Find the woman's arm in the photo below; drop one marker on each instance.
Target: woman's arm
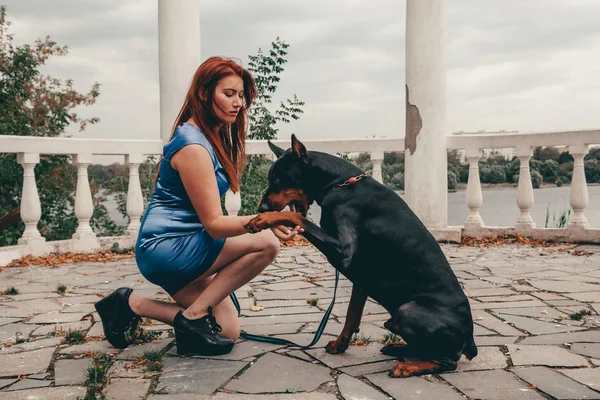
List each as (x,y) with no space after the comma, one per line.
(195,166)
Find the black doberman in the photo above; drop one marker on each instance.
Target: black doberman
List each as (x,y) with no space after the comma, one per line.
(370,235)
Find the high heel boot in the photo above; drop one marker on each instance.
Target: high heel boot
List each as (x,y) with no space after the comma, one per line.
(117,317)
(200,336)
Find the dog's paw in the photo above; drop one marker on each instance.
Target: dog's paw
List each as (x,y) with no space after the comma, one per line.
(394,348)
(336,346)
(258,223)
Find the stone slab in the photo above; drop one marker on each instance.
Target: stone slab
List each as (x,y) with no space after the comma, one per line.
(71,372)
(29,384)
(551,356)
(488,358)
(588,376)
(132,352)
(127,389)
(31,362)
(196,376)
(555,384)
(291,375)
(491,385)
(587,349)
(564,286)
(536,327)
(247,349)
(53,393)
(353,356)
(371,368)
(573,337)
(353,389)
(414,388)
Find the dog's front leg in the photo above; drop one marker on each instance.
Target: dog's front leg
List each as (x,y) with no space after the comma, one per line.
(339,251)
(353,316)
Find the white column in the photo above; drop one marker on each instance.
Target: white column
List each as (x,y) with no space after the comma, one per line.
(31,209)
(579,190)
(525,190)
(474,195)
(178,56)
(377,159)
(426,178)
(135,199)
(233,202)
(84,206)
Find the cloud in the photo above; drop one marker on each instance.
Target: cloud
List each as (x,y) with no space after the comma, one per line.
(512,64)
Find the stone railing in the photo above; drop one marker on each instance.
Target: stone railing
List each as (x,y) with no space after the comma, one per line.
(578,143)
(28,152)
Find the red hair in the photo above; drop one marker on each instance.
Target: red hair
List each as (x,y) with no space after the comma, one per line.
(227,140)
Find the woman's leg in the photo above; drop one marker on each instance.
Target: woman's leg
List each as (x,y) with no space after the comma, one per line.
(243,257)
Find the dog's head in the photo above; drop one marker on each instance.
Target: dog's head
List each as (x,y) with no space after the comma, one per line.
(288,181)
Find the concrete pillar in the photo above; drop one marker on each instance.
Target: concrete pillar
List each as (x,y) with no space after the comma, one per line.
(178,56)
(426,177)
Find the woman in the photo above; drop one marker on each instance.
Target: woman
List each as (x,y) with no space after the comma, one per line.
(185,244)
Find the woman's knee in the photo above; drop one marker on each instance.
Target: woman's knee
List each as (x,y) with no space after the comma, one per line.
(271,246)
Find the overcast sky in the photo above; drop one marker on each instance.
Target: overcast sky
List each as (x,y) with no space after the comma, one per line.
(526,65)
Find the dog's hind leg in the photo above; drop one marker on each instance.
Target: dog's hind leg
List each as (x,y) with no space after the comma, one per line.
(353,316)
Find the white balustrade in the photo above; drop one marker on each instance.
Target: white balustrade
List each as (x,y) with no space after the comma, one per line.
(31,209)
(135,199)
(579,190)
(233,202)
(84,206)
(377,160)
(525,189)
(473,194)
(28,152)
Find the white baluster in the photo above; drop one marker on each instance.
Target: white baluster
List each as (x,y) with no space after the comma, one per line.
(377,159)
(579,190)
(84,206)
(31,209)
(135,199)
(525,190)
(474,195)
(233,202)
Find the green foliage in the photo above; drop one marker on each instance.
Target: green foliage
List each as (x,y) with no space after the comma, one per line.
(558,219)
(75,337)
(10,291)
(266,69)
(97,375)
(33,104)
(578,315)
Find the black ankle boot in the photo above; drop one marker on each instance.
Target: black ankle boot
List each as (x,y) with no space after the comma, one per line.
(117,317)
(200,337)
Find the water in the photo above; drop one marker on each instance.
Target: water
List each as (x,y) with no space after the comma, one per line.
(499,207)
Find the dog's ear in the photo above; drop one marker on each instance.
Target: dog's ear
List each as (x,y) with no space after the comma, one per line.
(299,149)
(277,150)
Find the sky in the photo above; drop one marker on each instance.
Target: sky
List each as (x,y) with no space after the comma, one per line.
(511,64)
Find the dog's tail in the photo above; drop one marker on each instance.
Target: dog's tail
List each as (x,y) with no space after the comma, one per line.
(470,350)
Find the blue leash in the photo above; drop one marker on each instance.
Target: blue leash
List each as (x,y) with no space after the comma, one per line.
(267,339)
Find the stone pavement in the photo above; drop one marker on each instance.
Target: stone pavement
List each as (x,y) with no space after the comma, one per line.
(533,341)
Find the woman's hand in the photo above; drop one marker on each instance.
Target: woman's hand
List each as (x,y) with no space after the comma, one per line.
(284,233)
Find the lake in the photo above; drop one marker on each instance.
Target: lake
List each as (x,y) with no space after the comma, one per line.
(499,206)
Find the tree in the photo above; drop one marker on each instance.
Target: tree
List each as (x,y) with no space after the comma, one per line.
(33,104)
(266,68)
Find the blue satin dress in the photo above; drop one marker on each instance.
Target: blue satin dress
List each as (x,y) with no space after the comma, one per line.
(173,248)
